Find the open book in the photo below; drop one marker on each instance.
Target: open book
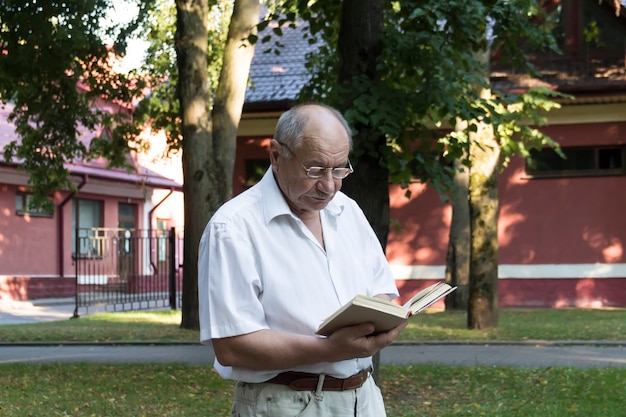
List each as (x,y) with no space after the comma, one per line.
(384,314)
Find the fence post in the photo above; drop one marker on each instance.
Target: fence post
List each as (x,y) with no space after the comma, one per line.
(77,274)
(172,262)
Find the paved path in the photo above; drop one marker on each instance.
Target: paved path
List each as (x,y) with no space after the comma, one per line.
(529,354)
(518,355)
(532,356)
(21,312)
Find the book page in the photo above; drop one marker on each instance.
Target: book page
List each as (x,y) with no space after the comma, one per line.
(362,309)
(428,297)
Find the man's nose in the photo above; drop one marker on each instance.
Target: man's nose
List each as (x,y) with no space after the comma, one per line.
(326,182)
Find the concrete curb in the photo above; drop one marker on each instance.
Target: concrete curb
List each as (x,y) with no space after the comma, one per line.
(513,342)
(531,343)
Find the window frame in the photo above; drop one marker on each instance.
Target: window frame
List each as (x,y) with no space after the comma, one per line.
(25,210)
(94,234)
(595,171)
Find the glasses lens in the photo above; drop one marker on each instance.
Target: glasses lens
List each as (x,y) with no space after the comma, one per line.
(315,172)
(340,173)
(337,173)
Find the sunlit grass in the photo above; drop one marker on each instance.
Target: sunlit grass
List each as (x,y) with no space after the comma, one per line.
(157,325)
(149,316)
(164,326)
(521,324)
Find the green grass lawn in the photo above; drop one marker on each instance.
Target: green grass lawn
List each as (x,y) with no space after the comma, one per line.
(152,325)
(85,390)
(523,324)
(164,325)
(88,390)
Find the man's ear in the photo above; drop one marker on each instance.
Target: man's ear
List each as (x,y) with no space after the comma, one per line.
(275,151)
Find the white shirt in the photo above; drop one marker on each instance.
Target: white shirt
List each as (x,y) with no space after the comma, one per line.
(259,267)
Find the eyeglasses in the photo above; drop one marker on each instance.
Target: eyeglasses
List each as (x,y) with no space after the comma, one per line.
(318,172)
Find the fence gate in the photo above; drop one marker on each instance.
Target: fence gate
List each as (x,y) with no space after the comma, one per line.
(127,269)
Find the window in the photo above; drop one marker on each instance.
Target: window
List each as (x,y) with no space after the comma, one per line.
(162,239)
(86,222)
(23,205)
(126,218)
(577,162)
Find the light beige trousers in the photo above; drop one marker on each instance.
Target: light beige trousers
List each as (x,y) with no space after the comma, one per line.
(272,400)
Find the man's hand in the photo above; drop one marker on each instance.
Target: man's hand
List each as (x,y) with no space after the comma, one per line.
(271,349)
(359,342)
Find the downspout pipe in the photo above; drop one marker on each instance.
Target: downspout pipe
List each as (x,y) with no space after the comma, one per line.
(61,233)
(150,214)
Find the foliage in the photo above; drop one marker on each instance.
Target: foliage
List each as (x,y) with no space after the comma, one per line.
(428,69)
(54,66)
(430,77)
(69,50)
(161,108)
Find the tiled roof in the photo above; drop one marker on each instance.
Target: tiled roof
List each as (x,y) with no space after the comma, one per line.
(141,176)
(278,77)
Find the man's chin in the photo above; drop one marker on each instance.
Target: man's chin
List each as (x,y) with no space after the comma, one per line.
(319,203)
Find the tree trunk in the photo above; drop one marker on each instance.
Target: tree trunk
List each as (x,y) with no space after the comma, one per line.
(231,92)
(458,257)
(194,91)
(209,137)
(485,160)
(359,46)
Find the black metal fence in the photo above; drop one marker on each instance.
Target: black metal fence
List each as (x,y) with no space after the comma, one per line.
(127,269)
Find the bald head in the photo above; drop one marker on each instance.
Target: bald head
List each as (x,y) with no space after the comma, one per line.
(292,125)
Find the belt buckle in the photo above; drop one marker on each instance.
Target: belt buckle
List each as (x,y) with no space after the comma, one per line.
(364,375)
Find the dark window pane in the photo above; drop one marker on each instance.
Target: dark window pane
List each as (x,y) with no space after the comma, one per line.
(547,160)
(581,160)
(610,158)
(577,161)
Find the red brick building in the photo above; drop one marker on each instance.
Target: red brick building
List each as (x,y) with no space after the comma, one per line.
(562,232)
(562,229)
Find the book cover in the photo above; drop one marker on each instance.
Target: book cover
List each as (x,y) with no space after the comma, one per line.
(384,314)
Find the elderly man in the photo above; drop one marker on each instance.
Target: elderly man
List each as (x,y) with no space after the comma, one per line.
(278,259)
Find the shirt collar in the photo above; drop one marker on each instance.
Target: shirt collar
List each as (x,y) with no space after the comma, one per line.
(274,203)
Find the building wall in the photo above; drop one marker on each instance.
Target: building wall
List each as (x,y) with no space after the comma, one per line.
(35,256)
(561,240)
(28,249)
(24,239)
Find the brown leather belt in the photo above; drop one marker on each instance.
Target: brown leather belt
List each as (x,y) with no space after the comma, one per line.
(303,381)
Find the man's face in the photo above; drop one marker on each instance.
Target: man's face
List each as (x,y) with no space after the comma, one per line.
(325,144)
